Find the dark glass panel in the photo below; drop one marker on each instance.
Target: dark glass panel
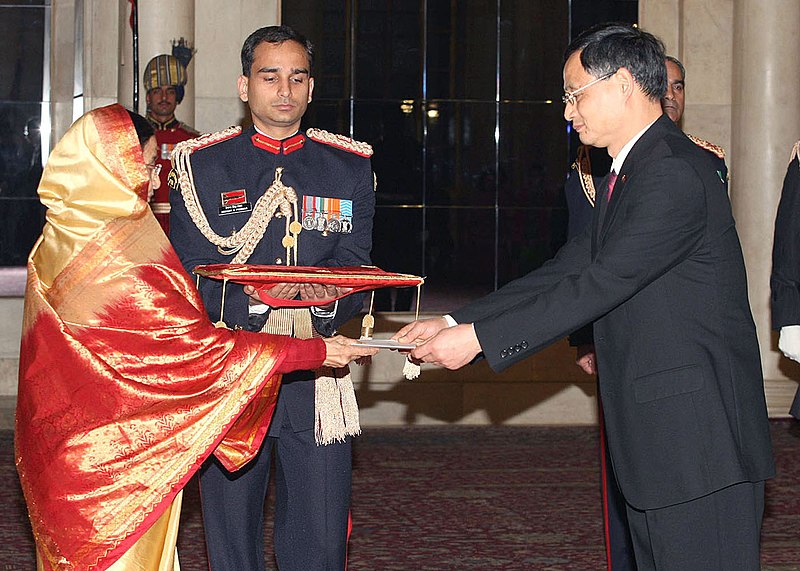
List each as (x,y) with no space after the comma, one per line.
(533,154)
(459,256)
(332,115)
(20,149)
(21,52)
(587,13)
(389,49)
(534,34)
(397,247)
(394,129)
(21,221)
(326,25)
(461,50)
(460,154)
(528,237)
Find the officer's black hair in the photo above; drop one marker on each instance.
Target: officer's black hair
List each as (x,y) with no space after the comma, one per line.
(677,62)
(273,35)
(605,48)
(144,130)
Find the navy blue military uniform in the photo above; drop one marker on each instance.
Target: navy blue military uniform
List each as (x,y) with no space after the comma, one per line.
(584,181)
(312,482)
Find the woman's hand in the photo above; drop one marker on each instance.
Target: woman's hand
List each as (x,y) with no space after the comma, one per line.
(340,350)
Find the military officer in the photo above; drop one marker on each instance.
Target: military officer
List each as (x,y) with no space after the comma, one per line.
(164,80)
(272,194)
(589,169)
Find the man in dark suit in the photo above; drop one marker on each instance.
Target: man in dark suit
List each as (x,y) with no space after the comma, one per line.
(661,274)
(273,195)
(587,174)
(785,277)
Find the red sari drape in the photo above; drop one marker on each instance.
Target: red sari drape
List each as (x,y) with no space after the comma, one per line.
(125,387)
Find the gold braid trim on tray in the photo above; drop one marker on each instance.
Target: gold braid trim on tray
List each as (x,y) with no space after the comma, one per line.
(247,271)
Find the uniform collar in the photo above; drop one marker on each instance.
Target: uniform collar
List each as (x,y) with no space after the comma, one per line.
(165,126)
(274,146)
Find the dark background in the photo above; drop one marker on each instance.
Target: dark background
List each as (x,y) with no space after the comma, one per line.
(460,99)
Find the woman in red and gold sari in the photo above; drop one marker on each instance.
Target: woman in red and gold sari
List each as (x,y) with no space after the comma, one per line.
(125,387)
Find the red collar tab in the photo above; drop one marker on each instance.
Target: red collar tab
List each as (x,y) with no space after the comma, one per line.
(294,143)
(275,147)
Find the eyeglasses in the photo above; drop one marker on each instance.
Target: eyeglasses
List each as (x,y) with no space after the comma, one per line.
(569,96)
(154,169)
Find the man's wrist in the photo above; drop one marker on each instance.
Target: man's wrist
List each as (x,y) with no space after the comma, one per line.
(325,312)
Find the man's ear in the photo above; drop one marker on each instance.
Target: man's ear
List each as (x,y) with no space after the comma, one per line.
(241,84)
(625,81)
(310,88)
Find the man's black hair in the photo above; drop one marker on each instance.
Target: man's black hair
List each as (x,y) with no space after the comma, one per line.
(605,48)
(677,62)
(273,35)
(144,130)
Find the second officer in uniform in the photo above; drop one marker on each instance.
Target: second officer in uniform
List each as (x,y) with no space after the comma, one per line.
(272,194)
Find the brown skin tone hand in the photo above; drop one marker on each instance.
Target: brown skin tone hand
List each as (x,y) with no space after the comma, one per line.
(321,295)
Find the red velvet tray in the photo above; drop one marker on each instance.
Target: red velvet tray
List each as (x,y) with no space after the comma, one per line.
(359,278)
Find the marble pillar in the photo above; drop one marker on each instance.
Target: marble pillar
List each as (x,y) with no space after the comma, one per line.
(765,123)
(222,26)
(159,24)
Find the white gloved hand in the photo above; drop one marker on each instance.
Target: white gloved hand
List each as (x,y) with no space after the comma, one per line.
(789,342)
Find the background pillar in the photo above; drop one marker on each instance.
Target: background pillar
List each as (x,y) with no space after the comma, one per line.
(765,123)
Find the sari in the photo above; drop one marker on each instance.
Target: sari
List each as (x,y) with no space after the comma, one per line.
(125,386)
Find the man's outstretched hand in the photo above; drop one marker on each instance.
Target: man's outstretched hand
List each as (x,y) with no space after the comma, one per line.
(439,344)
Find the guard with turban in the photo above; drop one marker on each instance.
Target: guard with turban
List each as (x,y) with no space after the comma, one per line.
(164,79)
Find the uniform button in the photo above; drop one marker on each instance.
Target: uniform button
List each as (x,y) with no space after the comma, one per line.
(278,261)
(524,344)
(517,348)
(503,354)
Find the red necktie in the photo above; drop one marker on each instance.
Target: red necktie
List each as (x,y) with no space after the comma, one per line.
(612,179)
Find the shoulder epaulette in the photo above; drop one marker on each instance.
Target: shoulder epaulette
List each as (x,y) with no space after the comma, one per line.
(188,129)
(711,147)
(340,142)
(795,152)
(191,145)
(583,166)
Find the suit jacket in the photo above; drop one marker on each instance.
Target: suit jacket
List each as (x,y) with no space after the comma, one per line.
(663,278)
(314,170)
(585,185)
(785,277)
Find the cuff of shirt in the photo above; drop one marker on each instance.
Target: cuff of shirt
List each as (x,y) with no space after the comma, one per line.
(450,321)
(323,313)
(259,308)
